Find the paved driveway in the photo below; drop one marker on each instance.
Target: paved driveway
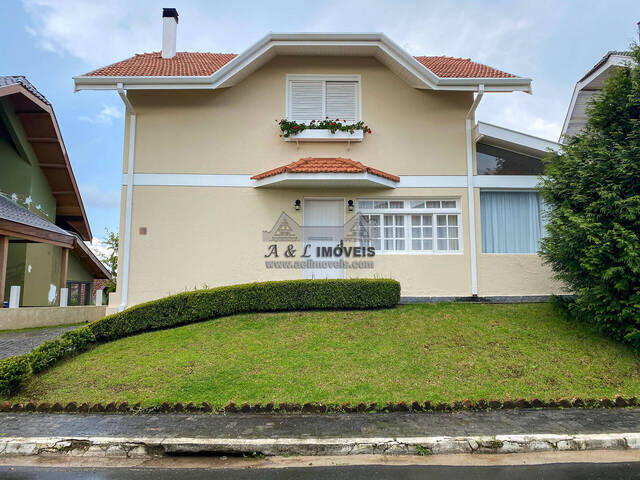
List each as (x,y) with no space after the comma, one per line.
(17,343)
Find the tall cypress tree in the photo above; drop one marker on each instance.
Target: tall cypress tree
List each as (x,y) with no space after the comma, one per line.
(593,189)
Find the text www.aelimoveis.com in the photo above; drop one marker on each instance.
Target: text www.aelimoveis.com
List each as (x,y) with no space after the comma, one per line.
(310,263)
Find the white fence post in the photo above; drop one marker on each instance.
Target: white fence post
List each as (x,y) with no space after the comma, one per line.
(14,296)
(98,298)
(64,297)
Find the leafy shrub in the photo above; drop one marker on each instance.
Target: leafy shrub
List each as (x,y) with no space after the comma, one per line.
(593,241)
(189,307)
(13,371)
(51,351)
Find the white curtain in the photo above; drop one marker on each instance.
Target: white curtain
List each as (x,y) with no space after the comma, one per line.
(511,222)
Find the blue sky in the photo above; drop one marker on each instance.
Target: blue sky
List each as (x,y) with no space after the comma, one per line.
(49,41)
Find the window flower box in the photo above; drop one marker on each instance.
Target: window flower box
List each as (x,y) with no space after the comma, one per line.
(322,135)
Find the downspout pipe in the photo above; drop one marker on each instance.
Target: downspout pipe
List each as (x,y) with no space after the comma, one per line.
(469,121)
(124,281)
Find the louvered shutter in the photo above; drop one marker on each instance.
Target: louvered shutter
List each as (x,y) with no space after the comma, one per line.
(342,101)
(306,101)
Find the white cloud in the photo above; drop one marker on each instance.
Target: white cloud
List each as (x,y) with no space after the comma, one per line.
(105,116)
(94,197)
(99,249)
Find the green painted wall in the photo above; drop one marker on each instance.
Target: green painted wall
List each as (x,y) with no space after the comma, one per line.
(77,271)
(41,275)
(21,174)
(15,267)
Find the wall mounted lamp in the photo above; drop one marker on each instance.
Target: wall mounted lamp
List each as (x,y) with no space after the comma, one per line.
(298,204)
(350,205)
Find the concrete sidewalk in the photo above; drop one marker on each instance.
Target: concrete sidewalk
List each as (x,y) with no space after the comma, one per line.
(505,431)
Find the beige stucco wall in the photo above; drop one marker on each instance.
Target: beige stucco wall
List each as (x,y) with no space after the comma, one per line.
(233,130)
(212,236)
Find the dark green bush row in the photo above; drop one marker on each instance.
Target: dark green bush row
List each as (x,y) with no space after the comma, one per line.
(189,307)
(198,305)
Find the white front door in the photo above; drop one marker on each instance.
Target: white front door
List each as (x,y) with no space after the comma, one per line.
(323,227)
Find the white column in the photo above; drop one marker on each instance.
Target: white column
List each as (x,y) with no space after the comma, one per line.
(14,296)
(98,297)
(64,297)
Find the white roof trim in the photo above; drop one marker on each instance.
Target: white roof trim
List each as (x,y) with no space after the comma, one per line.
(273,44)
(612,61)
(361,180)
(506,137)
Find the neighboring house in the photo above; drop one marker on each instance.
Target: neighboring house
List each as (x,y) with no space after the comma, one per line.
(449,206)
(588,86)
(42,220)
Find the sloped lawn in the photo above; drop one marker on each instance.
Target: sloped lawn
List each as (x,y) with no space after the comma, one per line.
(415,352)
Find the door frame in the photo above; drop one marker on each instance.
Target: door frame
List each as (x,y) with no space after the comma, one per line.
(304,209)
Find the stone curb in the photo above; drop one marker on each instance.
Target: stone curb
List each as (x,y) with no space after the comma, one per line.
(142,447)
(361,407)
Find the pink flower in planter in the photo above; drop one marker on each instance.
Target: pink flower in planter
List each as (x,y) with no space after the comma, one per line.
(296,127)
(369,131)
(333,123)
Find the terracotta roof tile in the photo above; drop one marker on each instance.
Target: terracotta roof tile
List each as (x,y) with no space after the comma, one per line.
(187,64)
(451,67)
(325,165)
(197,64)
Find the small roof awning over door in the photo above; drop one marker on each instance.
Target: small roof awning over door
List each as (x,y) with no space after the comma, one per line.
(325,172)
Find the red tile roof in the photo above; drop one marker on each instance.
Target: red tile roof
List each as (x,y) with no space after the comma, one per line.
(451,67)
(325,165)
(186,64)
(196,64)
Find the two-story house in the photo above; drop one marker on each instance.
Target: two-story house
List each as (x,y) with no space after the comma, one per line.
(215,173)
(43,223)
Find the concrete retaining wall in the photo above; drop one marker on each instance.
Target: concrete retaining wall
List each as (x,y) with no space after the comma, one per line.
(30,317)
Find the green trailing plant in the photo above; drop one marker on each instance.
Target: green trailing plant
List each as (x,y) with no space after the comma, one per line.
(200,305)
(592,187)
(290,128)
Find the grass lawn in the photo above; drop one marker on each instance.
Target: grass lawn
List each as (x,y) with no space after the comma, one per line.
(435,352)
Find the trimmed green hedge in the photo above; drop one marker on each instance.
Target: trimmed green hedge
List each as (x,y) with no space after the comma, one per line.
(199,305)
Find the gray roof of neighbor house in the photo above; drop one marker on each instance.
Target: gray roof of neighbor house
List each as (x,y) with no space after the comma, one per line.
(11,211)
(22,80)
(604,59)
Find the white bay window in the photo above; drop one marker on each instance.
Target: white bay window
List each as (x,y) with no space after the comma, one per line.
(419,226)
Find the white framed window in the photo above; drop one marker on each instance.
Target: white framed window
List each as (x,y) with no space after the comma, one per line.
(315,97)
(415,226)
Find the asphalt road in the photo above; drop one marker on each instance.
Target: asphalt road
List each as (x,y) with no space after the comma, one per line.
(581,471)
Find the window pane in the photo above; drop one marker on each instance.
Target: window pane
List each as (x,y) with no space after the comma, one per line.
(442,219)
(433,204)
(376,244)
(510,222)
(426,219)
(453,220)
(388,244)
(396,204)
(415,220)
(427,232)
(442,232)
(399,244)
(496,161)
(428,244)
(453,232)
(365,204)
(388,232)
(448,204)
(453,245)
(399,232)
(380,204)
(415,232)
(442,244)
(388,220)
(417,203)
(416,244)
